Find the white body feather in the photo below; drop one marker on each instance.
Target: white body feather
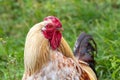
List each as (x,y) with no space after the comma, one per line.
(58,68)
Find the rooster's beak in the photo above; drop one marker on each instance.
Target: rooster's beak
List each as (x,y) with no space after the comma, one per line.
(60,29)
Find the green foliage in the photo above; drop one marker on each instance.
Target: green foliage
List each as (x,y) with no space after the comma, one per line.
(99,18)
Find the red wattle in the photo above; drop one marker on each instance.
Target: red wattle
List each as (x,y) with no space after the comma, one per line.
(54,38)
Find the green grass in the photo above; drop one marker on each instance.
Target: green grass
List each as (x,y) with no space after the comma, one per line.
(99,18)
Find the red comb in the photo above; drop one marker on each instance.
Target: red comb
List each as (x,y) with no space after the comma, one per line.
(55,21)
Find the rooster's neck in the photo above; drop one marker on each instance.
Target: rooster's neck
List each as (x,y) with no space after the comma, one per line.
(36,52)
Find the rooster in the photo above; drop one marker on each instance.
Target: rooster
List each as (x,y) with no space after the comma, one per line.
(47,56)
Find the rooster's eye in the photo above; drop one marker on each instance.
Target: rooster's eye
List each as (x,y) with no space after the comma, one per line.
(49,25)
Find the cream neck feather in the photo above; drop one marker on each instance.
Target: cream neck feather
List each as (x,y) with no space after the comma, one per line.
(36,52)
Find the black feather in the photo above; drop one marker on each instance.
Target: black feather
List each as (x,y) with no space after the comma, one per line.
(85,49)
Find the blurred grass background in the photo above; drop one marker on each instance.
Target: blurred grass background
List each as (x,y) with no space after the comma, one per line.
(100,18)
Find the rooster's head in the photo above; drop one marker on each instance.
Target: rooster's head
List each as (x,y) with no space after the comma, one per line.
(52,31)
